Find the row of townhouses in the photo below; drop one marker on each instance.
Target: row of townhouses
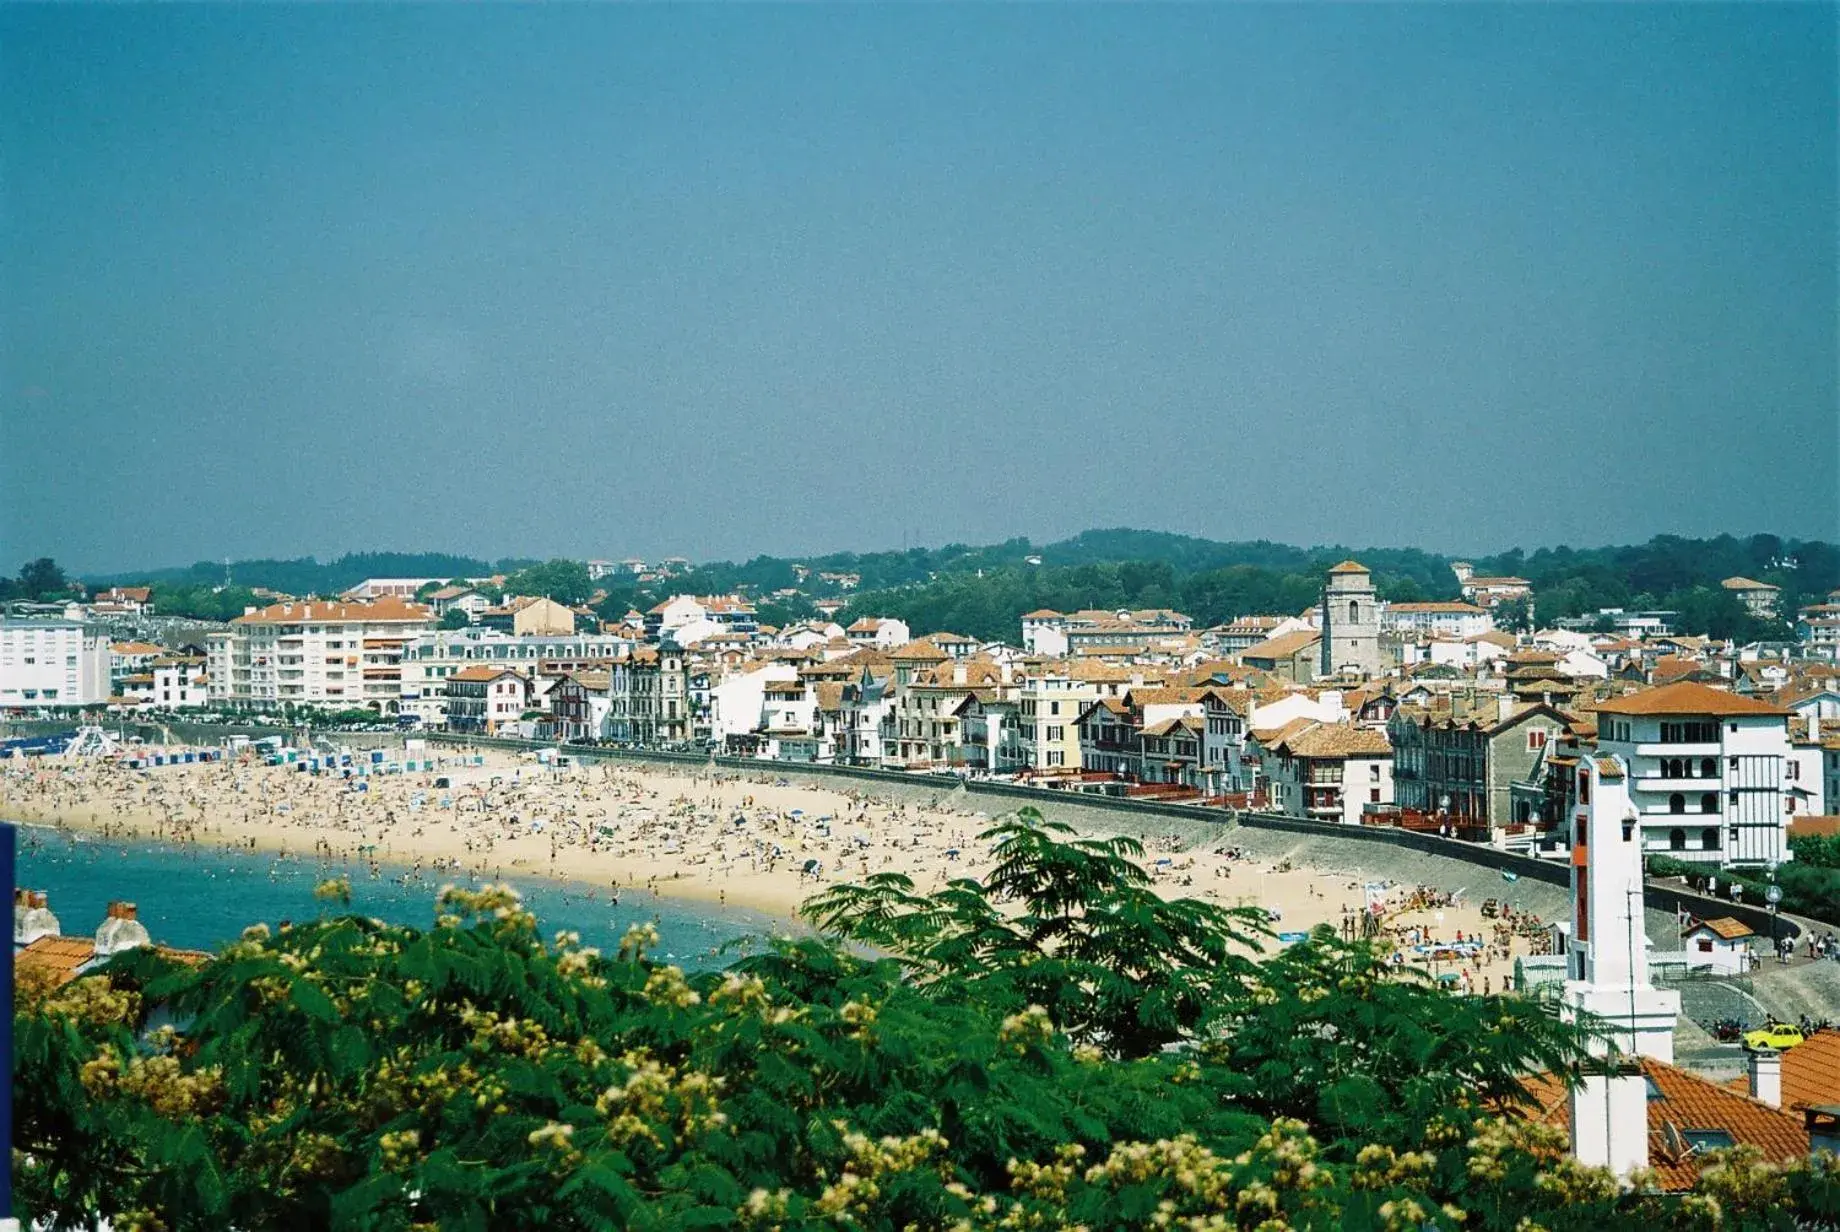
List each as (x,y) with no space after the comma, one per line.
(1356,711)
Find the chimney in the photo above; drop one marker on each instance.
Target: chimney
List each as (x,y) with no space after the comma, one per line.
(1504,708)
(1766,1076)
(1610,1117)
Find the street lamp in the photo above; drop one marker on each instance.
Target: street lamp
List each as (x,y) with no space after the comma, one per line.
(1773,896)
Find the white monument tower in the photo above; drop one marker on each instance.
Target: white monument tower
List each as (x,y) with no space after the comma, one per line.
(1607,972)
(1350,622)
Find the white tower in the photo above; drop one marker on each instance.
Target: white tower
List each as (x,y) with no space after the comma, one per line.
(1607,970)
(1350,622)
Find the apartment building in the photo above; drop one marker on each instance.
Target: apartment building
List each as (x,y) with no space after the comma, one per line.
(1462,756)
(728,613)
(336,655)
(485,700)
(434,656)
(928,732)
(1048,709)
(1449,619)
(1707,771)
(656,686)
(529,616)
(1329,771)
(45,663)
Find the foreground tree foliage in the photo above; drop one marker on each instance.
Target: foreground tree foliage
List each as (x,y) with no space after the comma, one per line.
(993,1070)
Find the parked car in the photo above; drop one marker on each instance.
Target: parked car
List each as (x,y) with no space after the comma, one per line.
(1777,1035)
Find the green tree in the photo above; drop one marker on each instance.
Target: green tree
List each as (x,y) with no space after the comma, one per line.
(565,581)
(455,618)
(1514,615)
(344,1073)
(41,579)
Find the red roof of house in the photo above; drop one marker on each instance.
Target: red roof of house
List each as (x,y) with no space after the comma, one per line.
(1686,1102)
(1687,697)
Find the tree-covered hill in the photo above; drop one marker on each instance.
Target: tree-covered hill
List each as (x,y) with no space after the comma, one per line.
(983,591)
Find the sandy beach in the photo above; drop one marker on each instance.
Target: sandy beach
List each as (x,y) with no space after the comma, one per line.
(753,840)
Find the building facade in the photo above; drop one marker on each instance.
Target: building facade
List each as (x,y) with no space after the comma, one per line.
(1706,772)
(46,663)
(332,655)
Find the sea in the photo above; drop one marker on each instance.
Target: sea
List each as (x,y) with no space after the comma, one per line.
(193,897)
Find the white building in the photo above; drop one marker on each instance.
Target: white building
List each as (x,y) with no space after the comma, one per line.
(1707,772)
(1722,946)
(736,705)
(1449,619)
(47,663)
(1607,970)
(179,684)
(1330,772)
(1044,632)
(434,656)
(331,655)
(882,632)
(389,588)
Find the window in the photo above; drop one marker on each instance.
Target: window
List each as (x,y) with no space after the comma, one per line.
(1709,767)
(1677,840)
(1677,803)
(1709,839)
(1794,768)
(1536,739)
(1373,795)
(1709,803)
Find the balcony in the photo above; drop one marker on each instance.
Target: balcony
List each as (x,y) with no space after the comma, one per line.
(1679,750)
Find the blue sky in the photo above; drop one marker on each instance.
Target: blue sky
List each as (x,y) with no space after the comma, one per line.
(719,280)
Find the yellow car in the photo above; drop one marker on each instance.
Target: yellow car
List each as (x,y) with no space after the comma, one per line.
(1777,1035)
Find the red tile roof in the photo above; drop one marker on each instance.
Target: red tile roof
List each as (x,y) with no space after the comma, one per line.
(388,608)
(1687,698)
(59,956)
(1688,1102)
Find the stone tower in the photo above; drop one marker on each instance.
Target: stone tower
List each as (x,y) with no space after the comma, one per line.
(1350,622)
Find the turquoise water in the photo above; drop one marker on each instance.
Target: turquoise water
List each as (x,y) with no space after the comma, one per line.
(199,899)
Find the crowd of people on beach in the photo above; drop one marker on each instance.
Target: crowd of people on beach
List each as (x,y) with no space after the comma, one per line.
(759,838)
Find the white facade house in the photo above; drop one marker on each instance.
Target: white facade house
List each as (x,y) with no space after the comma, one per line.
(45,663)
(1707,772)
(882,632)
(1044,632)
(1722,946)
(179,684)
(736,704)
(1450,619)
